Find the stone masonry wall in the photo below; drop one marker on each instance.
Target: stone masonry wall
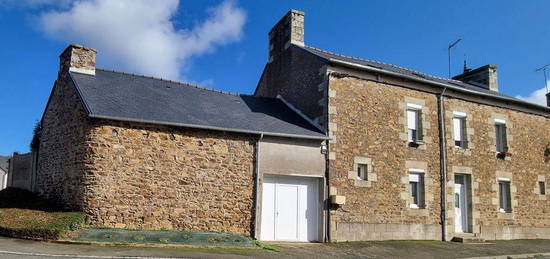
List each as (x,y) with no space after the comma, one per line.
(367,122)
(62,151)
(155,177)
(528,139)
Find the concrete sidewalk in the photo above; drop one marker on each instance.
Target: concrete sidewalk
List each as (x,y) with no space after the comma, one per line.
(16,248)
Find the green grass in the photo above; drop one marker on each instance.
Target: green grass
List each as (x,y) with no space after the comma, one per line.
(26,223)
(26,215)
(266,246)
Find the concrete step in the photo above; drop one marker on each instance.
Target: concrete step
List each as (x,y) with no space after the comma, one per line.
(468,239)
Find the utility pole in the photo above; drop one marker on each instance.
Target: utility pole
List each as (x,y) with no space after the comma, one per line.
(449,53)
(543,69)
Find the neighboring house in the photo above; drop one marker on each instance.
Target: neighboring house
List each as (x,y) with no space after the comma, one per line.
(4,165)
(329,148)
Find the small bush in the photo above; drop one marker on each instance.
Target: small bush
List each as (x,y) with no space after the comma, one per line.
(25,223)
(24,214)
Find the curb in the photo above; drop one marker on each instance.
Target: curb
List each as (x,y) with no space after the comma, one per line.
(510,256)
(85,256)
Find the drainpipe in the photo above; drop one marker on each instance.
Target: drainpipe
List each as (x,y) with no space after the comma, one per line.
(257,183)
(443,164)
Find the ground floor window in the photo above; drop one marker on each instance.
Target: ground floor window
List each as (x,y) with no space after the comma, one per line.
(505,204)
(416,189)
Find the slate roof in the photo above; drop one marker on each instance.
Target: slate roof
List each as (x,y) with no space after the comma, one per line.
(327,56)
(129,97)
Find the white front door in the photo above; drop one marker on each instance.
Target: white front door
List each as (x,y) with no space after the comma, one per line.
(290,208)
(461,216)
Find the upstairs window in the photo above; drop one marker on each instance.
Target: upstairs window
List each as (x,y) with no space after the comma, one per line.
(362,172)
(459,130)
(505,201)
(542,188)
(414,123)
(500,131)
(416,189)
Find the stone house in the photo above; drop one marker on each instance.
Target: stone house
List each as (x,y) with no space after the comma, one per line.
(329,148)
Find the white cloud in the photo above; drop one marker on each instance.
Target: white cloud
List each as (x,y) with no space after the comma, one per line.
(140,36)
(538,96)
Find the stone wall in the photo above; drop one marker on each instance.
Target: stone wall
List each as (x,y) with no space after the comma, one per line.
(367,121)
(528,139)
(62,152)
(155,177)
(299,78)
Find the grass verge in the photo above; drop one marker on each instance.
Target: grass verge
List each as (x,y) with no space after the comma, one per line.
(266,246)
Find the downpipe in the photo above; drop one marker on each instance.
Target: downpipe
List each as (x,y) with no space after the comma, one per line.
(443,164)
(257,185)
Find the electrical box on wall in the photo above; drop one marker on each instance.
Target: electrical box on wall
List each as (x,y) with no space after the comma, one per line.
(338,199)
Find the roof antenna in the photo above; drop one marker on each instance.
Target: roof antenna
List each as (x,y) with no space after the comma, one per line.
(449,53)
(466,69)
(543,69)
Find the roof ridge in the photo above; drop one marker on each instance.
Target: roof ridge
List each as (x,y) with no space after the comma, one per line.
(383,63)
(173,81)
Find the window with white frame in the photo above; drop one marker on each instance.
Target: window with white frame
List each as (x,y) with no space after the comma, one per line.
(414,123)
(505,201)
(416,188)
(362,172)
(459,130)
(501,136)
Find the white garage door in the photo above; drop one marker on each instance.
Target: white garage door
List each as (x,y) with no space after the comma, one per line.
(290,209)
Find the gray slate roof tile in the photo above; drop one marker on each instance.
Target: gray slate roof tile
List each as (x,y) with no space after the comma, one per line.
(123,96)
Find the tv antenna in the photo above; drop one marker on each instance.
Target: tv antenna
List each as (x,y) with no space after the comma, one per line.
(449,53)
(543,69)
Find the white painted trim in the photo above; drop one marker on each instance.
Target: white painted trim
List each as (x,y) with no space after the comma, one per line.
(296,175)
(82,70)
(413,206)
(459,114)
(416,170)
(500,179)
(500,121)
(414,106)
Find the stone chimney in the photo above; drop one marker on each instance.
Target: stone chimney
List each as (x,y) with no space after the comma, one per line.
(484,77)
(289,30)
(77,58)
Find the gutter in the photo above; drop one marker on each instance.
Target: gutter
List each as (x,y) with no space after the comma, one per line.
(445,86)
(208,127)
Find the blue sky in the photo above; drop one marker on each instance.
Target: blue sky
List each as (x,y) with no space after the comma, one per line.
(223,44)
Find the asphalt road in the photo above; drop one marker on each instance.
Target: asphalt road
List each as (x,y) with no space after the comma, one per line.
(16,248)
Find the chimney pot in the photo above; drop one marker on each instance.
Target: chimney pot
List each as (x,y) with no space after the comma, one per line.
(77,58)
(289,30)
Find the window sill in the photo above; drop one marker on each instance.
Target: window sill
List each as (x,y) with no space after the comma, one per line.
(416,144)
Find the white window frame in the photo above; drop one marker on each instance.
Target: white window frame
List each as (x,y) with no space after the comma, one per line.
(362,172)
(417,176)
(504,197)
(415,119)
(459,129)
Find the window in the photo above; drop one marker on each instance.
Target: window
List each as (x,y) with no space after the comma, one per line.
(416,188)
(500,130)
(414,123)
(505,204)
(362,172)
(542,188)
(459,130)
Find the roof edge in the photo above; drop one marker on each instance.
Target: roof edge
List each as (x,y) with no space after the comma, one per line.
(274,134)
(449,86)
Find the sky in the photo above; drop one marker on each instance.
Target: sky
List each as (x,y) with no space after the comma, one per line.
(222,44)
